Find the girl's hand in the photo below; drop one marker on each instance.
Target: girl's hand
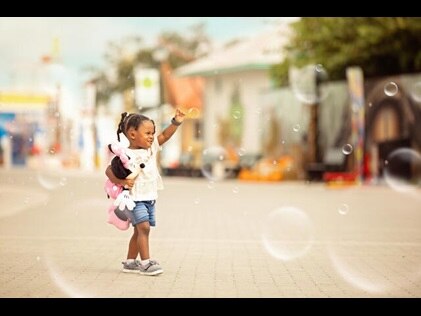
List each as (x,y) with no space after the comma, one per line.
(179,115)
(128,183)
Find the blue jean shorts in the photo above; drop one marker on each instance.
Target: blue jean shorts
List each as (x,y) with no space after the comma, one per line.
(144,211)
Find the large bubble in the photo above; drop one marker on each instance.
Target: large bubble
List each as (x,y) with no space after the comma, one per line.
(416,91)
(50,174)
(304,87)
(217,163)
(403,170)
(374,248)
(287,233)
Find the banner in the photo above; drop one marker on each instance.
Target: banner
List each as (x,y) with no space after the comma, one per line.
(147,85)
(356,91)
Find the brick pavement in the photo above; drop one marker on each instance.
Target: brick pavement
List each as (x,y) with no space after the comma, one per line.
(55,242)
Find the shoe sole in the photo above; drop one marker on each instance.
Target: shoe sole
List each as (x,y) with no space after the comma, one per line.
(130,271)
(152,273)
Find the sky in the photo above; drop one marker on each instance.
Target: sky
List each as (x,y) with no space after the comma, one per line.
(83,40)
(83,43)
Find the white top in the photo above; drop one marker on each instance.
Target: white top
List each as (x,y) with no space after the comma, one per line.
(149,181)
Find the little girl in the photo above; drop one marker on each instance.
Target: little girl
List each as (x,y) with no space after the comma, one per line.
(143,148)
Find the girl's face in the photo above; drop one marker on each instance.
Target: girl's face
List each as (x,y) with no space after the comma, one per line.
(142,137)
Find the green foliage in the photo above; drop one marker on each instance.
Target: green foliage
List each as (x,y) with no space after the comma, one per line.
(123,56)
(380,45)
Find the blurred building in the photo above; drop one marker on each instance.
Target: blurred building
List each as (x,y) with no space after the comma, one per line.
(235,77)
(38,114)
(392,120)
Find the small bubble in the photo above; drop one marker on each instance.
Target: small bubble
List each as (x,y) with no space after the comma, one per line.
(319,68)
(390,89)
(211,184)
(370,104)
(347,149)
(196,201)
(296,127)
(193,113)
(343,209)
(235,190)
(63,181)
(38,258)
(241,151)
(236,115)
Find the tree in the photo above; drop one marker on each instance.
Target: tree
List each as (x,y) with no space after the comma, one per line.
(379,45)
(123,56)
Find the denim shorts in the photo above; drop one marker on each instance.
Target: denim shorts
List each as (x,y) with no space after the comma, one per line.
(144,211)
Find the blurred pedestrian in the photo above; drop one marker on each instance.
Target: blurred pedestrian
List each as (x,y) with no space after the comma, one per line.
(144,145)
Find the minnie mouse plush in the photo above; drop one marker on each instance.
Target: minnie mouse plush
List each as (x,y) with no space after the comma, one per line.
(123,168)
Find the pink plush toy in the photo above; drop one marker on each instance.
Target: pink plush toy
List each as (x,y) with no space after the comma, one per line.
(123,168)
(115,220)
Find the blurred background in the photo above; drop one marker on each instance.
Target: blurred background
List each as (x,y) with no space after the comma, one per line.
(298,163)
(266,98)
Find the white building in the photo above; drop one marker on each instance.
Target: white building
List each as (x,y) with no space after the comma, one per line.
(241,68)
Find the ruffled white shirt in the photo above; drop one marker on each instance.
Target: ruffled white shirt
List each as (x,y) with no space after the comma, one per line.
(149,181)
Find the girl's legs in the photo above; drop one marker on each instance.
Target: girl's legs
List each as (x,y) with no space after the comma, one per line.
(133,248)
(143,229)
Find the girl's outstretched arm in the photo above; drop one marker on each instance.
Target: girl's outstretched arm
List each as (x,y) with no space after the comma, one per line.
(170,130)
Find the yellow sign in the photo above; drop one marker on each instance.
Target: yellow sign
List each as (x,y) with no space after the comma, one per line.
(19,101)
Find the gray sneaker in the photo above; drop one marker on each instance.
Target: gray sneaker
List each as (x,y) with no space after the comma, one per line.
(132,267)
(152,268)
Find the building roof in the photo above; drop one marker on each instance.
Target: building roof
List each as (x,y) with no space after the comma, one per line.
(259,52)
(187,92)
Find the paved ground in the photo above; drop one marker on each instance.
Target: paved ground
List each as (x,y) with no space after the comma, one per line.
(229,239)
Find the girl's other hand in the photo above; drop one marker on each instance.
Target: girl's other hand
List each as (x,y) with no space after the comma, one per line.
(128,183)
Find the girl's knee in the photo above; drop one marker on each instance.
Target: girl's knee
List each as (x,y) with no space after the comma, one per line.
(143,228)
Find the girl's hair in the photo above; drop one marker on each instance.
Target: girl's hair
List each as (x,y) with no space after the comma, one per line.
(131,120)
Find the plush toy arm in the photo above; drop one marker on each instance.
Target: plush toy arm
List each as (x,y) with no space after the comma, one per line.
(124,200)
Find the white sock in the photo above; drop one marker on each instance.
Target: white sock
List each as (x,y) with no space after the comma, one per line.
(144,262)
(129,260)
